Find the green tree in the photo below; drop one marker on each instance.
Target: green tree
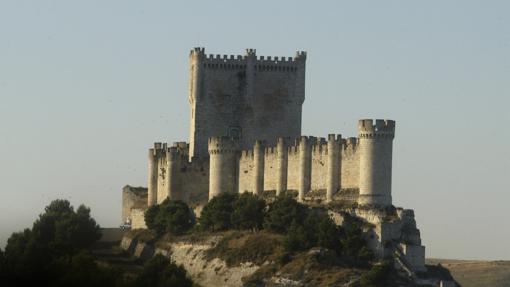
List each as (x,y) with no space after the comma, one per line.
(75,231)
(58,234)
(160,272)
(150,216)
(3,270)
(283,212)
(248,212)
(173,216)
(217,213)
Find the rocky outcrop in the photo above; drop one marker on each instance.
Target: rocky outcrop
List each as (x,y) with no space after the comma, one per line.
(192,256)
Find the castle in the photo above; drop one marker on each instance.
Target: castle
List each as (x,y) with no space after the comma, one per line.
(245,136)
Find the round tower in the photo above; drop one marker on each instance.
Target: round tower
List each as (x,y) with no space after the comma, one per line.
(305,167)
(171,169)
(152,183)
(258,167)
(375,148)
(333,167)
(282,153)
(223,152)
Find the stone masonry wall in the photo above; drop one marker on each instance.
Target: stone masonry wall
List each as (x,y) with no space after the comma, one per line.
(350,164)
(348,158)
(319,165)
(138,218)
(250,97)
(132,197)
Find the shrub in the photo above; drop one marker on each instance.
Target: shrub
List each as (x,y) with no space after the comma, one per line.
(150,216)
(173,216)
(283,212)
(159,272)
(296,238)
(248,212)
(378,276)
(354,246)
(83,271)
(328,235)
(318,229)
(217,213)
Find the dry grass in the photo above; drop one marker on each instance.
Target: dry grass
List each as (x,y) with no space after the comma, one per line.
(243,246)
(309,269)
(474,273)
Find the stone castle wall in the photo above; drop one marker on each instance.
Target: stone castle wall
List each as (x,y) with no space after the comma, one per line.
(348,159)
(249,97)
(132,198)
(175,177)
(304,165)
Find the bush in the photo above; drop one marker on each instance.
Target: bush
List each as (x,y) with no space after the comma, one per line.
(83,271)
(173,216)
(217,213)
(150,216)
(283,212)
(378,276)
(296,238)
(159,272)
(328,235)
(354,247)
(248,212)
(318,229)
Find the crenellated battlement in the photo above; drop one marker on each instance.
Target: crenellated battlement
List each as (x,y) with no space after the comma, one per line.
(270,150)
(223,144)
(320,146)
(381,128)
(239,62)
(350,143)
(315,144)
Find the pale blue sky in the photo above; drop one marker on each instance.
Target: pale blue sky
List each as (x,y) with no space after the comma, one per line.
(87,86)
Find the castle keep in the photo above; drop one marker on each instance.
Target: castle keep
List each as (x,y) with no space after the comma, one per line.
(245,136)
(247,97)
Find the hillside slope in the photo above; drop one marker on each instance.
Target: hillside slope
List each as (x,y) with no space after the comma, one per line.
(473,273)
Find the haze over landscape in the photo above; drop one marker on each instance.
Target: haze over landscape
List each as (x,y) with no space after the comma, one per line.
(87,87)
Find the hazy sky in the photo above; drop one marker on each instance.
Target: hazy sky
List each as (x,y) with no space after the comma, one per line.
(86,87)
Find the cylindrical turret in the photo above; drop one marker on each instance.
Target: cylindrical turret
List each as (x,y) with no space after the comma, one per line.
(282,153)
(223,152)
(258,167)
(172,166)
(152,183)
(333,175)
(375,148)
(305,167)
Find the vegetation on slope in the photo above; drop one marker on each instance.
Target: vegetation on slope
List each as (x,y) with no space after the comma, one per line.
(278,236)
(56,251)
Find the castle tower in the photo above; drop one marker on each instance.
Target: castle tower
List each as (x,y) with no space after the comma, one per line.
(375,147)
(333,176)
(172,166)
(223,160)
(305,167)
(258,167)
(248,97)
(152,182)
(282,153)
